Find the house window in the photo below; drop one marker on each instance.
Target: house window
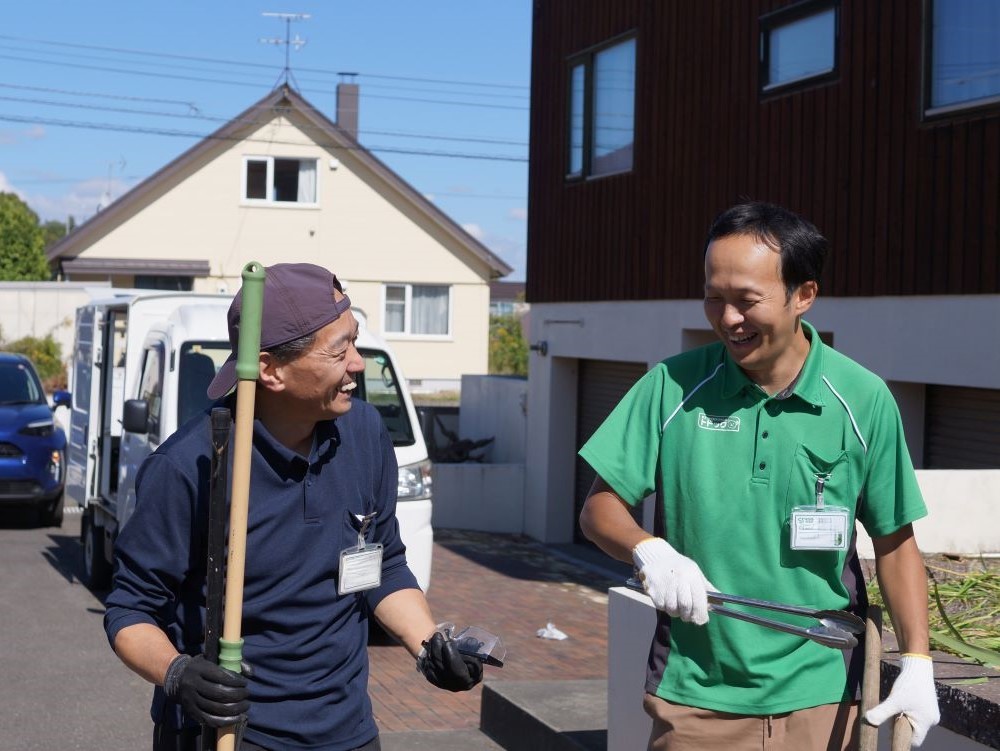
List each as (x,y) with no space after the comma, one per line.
(172,283)
(963,61)
(418,309)
(268,179)
(797,44)
(602,111)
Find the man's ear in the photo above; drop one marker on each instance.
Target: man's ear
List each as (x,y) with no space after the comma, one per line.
(804,297)
(271,373)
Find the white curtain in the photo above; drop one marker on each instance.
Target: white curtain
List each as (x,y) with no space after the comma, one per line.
(430,310)
(307,181)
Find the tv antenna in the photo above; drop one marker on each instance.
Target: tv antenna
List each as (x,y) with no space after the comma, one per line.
(288,41)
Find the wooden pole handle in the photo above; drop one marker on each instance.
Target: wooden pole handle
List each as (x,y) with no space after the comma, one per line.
(871,682)
(247,370)
(902,733)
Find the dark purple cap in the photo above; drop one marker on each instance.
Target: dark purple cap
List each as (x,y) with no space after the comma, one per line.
(298,300)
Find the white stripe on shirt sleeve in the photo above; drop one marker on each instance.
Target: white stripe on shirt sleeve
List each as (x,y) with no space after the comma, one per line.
(857,431)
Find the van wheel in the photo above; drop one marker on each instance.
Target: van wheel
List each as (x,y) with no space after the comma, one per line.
(96,570)
(52,515)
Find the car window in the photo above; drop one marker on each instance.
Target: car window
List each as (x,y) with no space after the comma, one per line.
(151,386)
(379,386)
(19,384)
(199,362)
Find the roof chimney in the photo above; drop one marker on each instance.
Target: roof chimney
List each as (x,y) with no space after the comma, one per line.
(347,108)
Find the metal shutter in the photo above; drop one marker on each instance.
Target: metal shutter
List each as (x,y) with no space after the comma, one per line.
(600,387)
(962,428)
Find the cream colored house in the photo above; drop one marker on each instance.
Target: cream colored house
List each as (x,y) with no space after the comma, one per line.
(281,182)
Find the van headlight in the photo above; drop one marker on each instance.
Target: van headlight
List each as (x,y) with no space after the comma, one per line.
(414,482)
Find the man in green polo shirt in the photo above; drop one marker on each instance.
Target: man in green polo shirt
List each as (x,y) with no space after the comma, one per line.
(763,449)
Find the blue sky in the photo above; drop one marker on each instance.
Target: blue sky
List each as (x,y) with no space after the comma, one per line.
(93,95)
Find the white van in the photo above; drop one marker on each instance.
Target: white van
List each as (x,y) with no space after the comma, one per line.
(142,364)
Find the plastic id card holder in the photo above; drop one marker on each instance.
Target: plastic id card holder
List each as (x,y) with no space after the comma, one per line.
(823,528)
(360,569)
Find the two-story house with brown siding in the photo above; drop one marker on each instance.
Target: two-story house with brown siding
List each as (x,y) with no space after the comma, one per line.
(878,120)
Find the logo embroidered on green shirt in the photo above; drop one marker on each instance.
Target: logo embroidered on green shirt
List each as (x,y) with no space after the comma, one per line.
(711,422)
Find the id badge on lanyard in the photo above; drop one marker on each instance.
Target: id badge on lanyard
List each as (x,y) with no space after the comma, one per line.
(360,566)
(818,526)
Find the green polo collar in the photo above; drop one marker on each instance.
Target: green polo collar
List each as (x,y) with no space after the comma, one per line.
(809,386)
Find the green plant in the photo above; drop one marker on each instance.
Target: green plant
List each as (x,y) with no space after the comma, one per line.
(46,354)
(963,609)
(22,257)
(508,349)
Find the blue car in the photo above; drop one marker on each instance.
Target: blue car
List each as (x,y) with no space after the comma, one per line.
(32,445)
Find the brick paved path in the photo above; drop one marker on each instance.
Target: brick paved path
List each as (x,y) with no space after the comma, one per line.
(509,585)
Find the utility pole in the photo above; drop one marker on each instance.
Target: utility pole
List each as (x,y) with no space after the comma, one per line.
(297,42)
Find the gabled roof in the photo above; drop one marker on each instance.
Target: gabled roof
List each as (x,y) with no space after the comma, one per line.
(328,134)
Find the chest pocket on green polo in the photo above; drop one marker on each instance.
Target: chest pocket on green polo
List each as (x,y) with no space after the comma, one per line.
(839,490)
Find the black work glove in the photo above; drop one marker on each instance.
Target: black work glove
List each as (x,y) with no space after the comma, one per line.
(444,666)
(209,693)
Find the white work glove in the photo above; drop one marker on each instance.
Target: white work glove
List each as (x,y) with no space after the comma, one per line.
(673,582)
(913,695)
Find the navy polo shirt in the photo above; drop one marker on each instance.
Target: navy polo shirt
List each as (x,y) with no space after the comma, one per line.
(307,645)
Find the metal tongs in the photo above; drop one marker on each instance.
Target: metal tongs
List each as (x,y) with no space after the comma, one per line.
(836,629)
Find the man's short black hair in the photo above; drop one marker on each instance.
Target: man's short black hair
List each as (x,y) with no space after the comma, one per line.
(803,249)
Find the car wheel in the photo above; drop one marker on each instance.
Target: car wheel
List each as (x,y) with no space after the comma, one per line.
(52,514)
(96,570)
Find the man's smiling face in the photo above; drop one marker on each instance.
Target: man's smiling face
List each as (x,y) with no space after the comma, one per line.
(748,306)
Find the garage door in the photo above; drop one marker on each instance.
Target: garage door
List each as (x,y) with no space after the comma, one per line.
(601,386)
(962,428)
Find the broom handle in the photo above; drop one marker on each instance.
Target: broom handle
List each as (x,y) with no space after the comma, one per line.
(902,733)
(870,685)
(247,370)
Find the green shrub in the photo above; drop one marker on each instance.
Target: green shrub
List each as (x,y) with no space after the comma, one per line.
(46,354)
(508,350)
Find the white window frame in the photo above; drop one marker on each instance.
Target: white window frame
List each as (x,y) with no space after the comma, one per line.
(270,182)
(406,333)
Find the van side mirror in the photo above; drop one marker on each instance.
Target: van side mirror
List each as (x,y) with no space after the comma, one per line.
(62,399)
(135,416)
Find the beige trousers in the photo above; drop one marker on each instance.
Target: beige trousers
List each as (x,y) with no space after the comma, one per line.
(830,727)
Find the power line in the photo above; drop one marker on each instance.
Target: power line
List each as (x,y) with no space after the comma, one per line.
(68,92)
(199,79)
(210,118)
(189,134)
(195,58)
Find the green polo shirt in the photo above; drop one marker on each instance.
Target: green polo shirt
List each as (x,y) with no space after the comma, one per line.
(728,463)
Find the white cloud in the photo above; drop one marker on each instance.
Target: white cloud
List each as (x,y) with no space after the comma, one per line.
(475,230)
(9,137)
(5,186)
(519,213)
(80,202)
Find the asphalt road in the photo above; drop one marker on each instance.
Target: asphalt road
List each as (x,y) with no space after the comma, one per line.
(61,686)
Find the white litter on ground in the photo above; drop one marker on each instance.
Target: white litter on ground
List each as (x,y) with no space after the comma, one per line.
(551,632)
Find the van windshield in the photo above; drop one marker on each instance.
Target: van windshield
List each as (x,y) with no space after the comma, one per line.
(199,362)
(379,386)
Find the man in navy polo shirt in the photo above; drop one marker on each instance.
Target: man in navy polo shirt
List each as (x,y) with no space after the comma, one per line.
(323,471)
(763,450)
